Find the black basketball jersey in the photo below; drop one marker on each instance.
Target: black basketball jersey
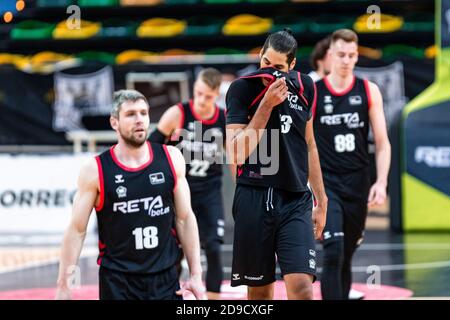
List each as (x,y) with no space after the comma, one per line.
(136,213)
(281,158)
(202,144)
(341,126)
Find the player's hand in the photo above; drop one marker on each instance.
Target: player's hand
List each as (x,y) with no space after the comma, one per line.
(377,194)
(63,294)
(194,285)
(277,93)
(319,218)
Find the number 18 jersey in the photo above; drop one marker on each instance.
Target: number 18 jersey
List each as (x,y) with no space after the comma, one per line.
(136,213)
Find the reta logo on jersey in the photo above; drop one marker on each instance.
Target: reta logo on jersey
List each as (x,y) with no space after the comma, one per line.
(350,119)
(154,206)
(293,98)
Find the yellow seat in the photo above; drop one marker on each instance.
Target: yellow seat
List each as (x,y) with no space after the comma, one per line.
(140,2)
(19,61)
(87,30)
(161,27)
(388,23)
(246,24)
(136,55)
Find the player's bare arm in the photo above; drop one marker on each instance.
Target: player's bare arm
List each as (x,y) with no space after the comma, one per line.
(86,198)
(377,194)
(315,179)
(242,139)
(169,121)
(186,225)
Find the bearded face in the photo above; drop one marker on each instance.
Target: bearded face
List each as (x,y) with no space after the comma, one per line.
(133,123)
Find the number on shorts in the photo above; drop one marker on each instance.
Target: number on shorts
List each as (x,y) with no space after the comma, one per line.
(146,238)
(198,168)
(343,143)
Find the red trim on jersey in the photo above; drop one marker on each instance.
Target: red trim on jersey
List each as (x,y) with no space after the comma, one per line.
(341,93)
(181,124)
(314,106)
(240,170)
(262,92)
(272,78)
(304,99)
(175,235)
(302,88)
(124,167)
(176,133)
(101,245)
(169,158)
(101,184)
(369,96)
(203,121)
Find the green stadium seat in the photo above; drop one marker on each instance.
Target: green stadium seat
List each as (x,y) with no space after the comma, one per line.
(201,25)
(98,3)
(118,28)
(54,3)
(296,23)
(32,29)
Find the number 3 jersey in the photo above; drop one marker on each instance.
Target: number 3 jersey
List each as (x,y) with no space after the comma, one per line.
(202,144)
(341,126)
(281,158)
(136,213)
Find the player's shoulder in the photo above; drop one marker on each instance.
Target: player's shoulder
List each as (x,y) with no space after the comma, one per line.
(90,171)
(240,84)
(174,153)
(306,79)
(177,159)
(368,85)
(306,83)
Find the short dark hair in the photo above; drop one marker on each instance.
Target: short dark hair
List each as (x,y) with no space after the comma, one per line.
(344,34)
(212,77)
(282,41)
(121,96)
(319,52)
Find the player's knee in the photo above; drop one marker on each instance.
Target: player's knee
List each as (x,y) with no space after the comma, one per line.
(260,293)
(300,290)
(334,253)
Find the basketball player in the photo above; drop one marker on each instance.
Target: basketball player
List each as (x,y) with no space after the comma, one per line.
(320,60)
(197,127)
(273,211)
(138,189)
(321,63)
(345,107)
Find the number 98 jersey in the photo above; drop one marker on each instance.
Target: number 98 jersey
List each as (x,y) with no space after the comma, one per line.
(341,126)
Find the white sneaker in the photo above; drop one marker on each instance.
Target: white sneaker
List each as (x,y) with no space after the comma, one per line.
(355,295)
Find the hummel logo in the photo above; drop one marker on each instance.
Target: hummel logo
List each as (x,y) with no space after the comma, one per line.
(119,178)
(276,74)
(236,276)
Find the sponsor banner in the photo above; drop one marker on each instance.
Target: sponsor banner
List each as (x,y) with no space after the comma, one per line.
(81,95)
(390,80)
(427,137)
(36,193)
